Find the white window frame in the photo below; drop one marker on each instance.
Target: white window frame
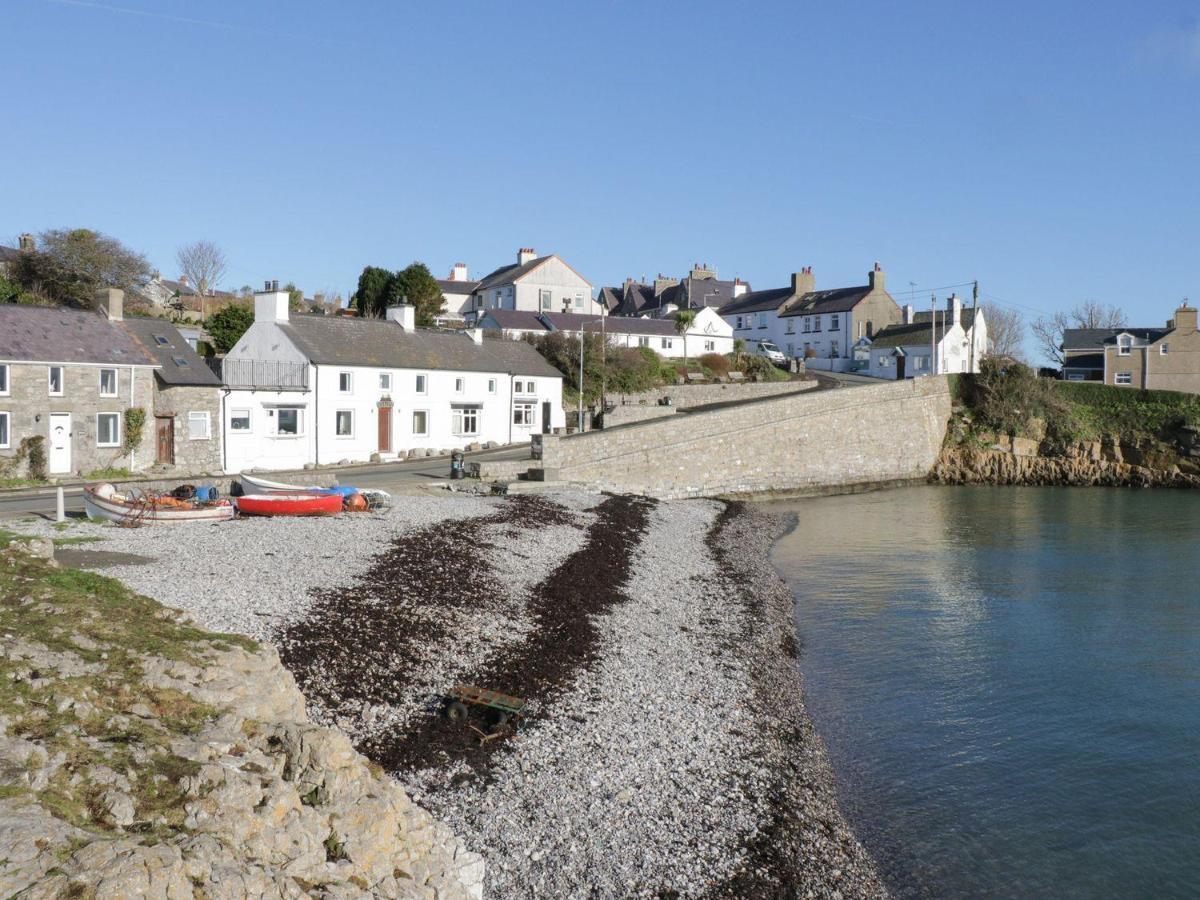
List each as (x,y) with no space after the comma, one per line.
(116,382)
(337,424)
(458,420)
(346,378)
(834,322)
(1128,376)
(491,385)
(643,341)
(249,417)
(578,300)
(385,381)
(524,414)
(460,384)
(113,443)
(545,299)
(710,346)
(762,320)
(421,383)
(199,415)
(288,435)
(6,434)
(1124,345)
(791,326)
(62,380)
(425,414)
(5,374)
(666,343)
(1163,349)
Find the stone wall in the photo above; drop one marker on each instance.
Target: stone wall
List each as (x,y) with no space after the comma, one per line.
(796,443)
(685,396)
(191,454)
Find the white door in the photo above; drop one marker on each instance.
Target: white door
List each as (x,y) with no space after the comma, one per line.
(60,443)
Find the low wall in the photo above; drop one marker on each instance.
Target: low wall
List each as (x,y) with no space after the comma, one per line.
(685,396)
(624,415)
(794,443)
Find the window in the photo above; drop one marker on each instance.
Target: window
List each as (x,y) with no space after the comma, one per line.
(464,420)
(5,439)
(1124,343)
(287,421)
(667,343)
(579,301)
(108,382)
(833,322)
(710,346)
(791,326)
(180,361)
(3,380)
(344,424)
(791,349)
(833,348)
(739,322)
(345,382)
(239,420)
(198,426)
(807,324)
(496,299)
(919,363)
(546,299)
(643,342)
(762,320)
(56,381)
(385,381)
(422,384)
(420,422)
(816,323)
(491,385)
(460,385)
(523,414)
(161,340)
(1074,376)
(1163,349)
(518,387)
(1124,378)
(108,430)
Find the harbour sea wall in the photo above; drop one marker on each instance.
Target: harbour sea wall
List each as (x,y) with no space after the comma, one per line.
(629,408)
(787,445)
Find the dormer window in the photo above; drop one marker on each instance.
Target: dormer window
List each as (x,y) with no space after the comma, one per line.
(1124,345)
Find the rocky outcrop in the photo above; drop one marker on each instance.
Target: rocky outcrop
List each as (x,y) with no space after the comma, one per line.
(177,763)
(1015,460)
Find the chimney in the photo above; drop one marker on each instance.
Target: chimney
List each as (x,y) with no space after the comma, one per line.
(953,311)
(405,314)
(25,242)
(739,287)
(876,278)
(906,314)
(525,254)
(803,282)
(459,272)
(1185,318)
(183,279)
(112,301)
(271,304)
(476,335)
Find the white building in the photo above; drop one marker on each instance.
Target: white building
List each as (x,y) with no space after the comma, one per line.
(456,294)
(535,284)
(930,343)
(708,333)
(304,389)
(819,326)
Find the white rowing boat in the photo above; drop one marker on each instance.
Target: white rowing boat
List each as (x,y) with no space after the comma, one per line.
(104,502)
(254,484)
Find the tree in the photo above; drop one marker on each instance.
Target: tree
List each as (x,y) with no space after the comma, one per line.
(203,263)
(1005,330)
(295,298)
(228,325)
(328,301)
(371,296)
(683,321)
(417,286)
(70,264)
(1048,330)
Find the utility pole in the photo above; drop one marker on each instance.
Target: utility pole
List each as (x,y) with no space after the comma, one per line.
(974,314)
(933,332)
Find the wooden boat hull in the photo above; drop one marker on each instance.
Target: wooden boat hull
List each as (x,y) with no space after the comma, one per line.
(125,512)
(295,504)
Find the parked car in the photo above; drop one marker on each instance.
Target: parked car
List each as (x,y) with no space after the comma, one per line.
(771,352)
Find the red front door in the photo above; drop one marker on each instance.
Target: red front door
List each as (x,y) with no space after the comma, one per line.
(385,429)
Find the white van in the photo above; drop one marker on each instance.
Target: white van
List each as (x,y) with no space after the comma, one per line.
(771,352)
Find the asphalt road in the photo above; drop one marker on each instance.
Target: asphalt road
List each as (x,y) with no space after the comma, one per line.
(392,476)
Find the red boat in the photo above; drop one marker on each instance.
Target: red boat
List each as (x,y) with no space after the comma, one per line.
(289,504)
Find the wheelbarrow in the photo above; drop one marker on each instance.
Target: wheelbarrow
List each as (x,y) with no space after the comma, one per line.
(501,708)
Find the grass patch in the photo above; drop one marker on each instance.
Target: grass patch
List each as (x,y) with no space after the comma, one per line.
(109,473)
(21,482)
(79,539)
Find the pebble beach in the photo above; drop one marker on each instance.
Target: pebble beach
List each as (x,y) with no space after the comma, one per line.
(666,750)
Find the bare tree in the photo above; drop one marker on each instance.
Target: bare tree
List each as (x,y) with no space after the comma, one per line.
(328,300)
(1005,331)
(1048,330)
(203,263)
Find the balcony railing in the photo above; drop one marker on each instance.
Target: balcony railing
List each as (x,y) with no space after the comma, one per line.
(264,375)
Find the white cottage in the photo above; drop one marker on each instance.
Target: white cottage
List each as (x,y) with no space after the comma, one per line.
(304,389)
(535,284)
(930,343)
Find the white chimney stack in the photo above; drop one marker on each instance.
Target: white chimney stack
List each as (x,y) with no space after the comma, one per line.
(271,304)
(906,314)
(405,314)
(476,335)
(525,255)
(459,272)
(954,309)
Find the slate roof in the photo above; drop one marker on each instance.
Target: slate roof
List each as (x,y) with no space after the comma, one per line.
(547,321)
(457,287)
(56,334)
(968,317)
(192,371)
(509,273)
(836,300)
(347,341)
(611,297)
(757,301)
(516,318)
(902,335)
(1097,338)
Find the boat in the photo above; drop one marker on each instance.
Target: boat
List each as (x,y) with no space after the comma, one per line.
(253,484)
(295,504)
(103,501)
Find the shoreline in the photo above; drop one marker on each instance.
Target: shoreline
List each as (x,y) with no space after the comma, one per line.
(668,751)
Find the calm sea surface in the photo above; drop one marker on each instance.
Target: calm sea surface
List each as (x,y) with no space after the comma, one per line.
(1008,680)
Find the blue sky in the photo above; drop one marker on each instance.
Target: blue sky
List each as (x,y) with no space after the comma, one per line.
(1048,149)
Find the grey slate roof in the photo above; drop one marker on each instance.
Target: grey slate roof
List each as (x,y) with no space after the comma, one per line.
(193,371)
(457,287)
(757,301)
(510,273)
(836,300)
(968,317)
(56,334)
(902,335)
(349,341)
(612,324)
(1097,338)
(519,319)
(610,297)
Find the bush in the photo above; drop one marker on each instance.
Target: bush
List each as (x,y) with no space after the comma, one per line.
(620,370)
(33,449)
(763,369)
(715,363)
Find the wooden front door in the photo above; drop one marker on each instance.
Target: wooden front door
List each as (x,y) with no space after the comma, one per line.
(385,429)
(899,368)
(545,417)
(164,428)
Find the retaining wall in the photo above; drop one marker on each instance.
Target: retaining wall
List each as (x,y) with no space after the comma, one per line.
(795,443)
(684,396)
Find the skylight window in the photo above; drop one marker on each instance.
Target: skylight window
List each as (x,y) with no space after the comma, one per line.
(161,340)
(180,361)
